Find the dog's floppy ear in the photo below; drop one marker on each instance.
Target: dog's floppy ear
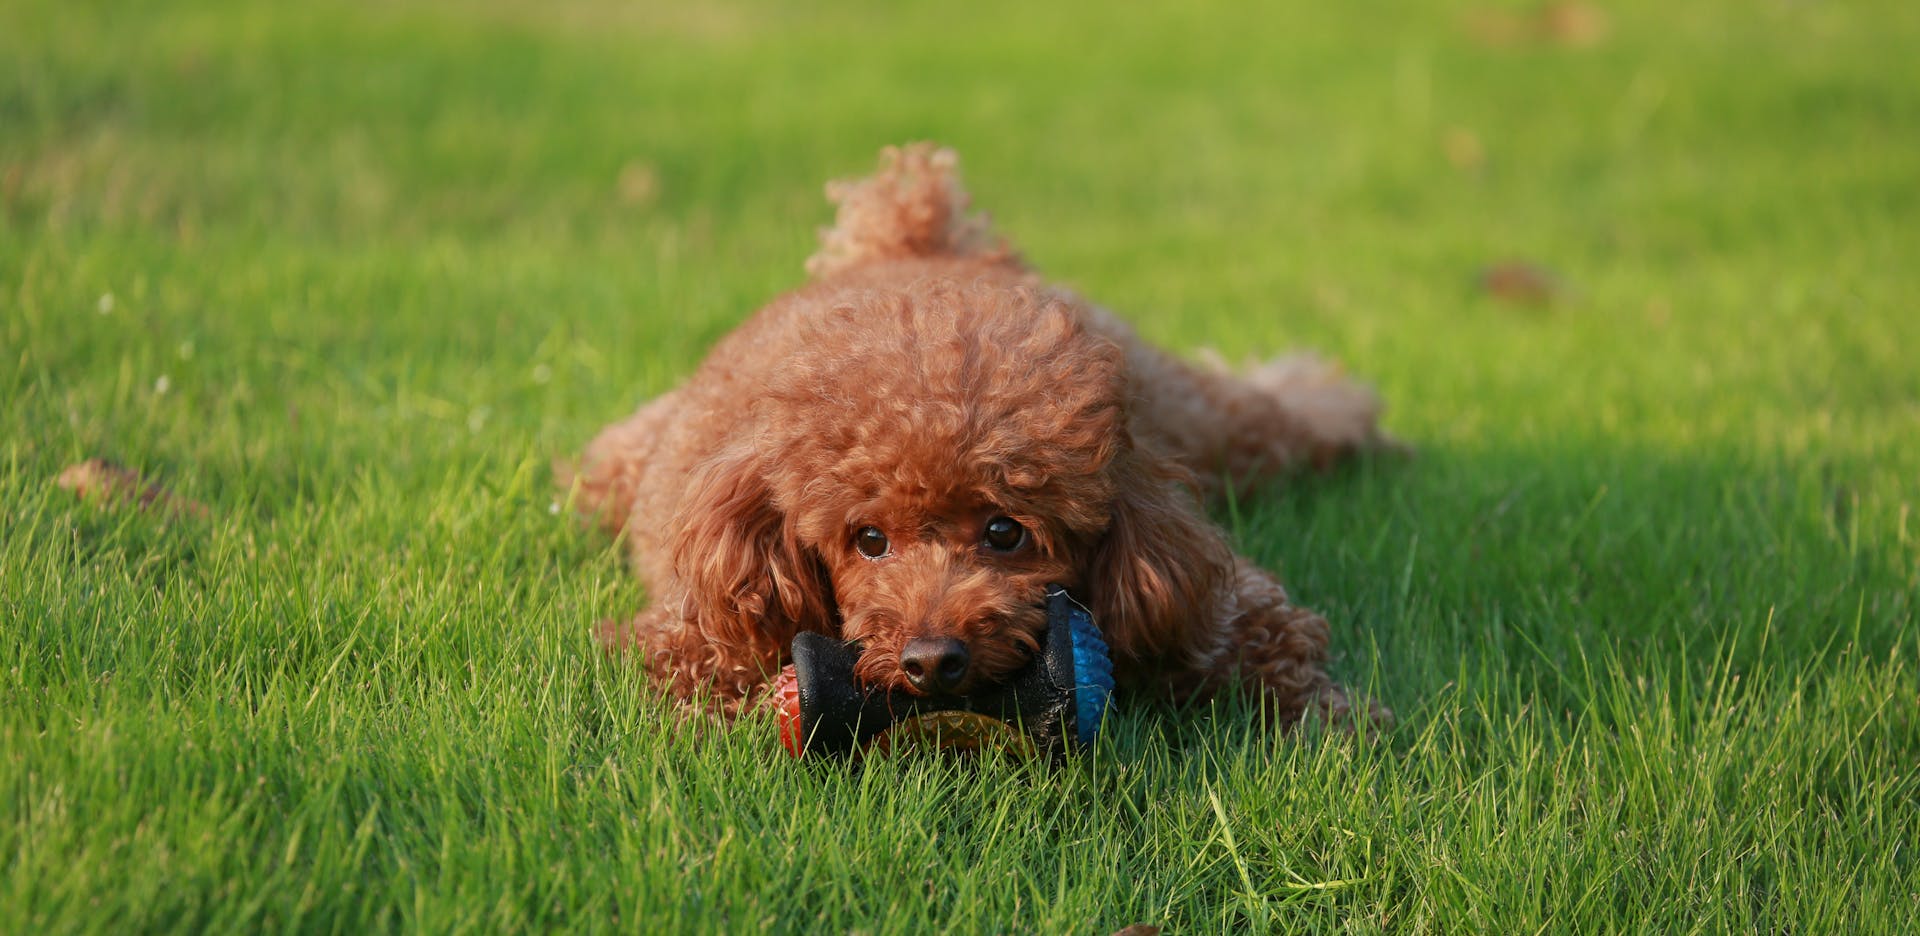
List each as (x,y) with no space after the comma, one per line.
(749,582)
(1162,564)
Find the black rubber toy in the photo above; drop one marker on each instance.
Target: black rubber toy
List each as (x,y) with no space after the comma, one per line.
(1055,703)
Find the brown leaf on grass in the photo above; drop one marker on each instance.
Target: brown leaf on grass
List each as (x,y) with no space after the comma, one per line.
(1573,24)
(639,183)
(1137,929)
(1521,283)
(108,484)
(1568,23)
(1463,149)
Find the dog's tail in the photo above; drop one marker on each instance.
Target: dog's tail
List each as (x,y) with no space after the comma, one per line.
(914,206)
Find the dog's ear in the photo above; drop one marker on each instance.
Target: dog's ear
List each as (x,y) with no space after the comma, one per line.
(1160,569)
(750,584)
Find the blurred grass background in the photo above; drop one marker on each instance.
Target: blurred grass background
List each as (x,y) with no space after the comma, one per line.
(353,274)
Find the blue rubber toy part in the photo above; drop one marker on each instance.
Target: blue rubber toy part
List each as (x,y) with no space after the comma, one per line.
(1092,675)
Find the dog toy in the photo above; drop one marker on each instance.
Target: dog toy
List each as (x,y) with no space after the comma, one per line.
(1054,704)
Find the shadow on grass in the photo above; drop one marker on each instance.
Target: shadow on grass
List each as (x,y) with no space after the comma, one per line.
(1528,568)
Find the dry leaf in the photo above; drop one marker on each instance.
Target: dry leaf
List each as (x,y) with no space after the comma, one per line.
(1571,23)
(639,183)
(108,484)
(1463,149)
(1521,283)
(1567,23)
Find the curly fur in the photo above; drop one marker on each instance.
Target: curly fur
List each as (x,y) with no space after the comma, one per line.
(925,382)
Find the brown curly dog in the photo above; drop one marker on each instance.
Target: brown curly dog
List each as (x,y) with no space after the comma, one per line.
(907,451)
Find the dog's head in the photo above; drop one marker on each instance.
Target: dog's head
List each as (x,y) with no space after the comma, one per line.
(935,458)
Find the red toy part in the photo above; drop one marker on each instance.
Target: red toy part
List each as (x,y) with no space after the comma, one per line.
(786,698)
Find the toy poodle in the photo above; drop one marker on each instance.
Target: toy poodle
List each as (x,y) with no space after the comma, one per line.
(907,451)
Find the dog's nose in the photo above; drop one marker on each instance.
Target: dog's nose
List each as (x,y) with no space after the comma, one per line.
(934,664)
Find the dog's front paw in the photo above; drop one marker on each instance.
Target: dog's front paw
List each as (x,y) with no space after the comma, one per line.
(1339,709)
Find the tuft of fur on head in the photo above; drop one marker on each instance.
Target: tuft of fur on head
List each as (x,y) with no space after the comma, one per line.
(914,206)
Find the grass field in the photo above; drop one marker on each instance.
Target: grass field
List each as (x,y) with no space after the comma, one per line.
(353,275)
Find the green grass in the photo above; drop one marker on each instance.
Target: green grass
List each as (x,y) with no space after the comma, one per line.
(354,274)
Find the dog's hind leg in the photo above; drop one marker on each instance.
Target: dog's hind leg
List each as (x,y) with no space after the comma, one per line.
(1268,419)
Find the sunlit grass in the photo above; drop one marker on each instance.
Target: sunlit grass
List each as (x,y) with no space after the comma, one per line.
(354,275)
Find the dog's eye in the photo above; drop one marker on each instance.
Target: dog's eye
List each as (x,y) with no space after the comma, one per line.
(871,542)
(1004,534)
